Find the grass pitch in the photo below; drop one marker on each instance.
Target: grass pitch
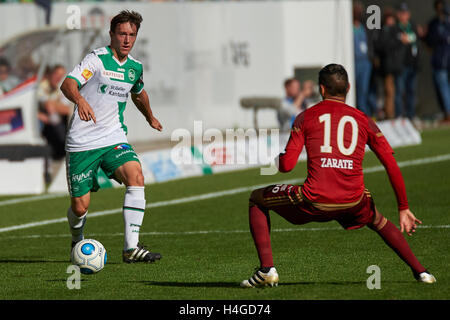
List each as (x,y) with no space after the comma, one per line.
(207,247)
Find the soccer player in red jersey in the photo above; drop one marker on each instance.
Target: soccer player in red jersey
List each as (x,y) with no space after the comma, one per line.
(334,135)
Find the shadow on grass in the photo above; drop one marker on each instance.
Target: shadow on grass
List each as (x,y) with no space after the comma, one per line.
(229,284)
(315,283)
(32,261)
(196,284)
(19,261)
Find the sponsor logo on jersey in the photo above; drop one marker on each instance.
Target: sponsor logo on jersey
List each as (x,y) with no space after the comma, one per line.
(102,88)
(121,69)
(113,75)
(82,176)
(123,152)
(122,147)
(116,91)
(86,74)
(132,74)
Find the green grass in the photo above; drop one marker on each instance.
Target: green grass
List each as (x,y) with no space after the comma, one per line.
(313,264)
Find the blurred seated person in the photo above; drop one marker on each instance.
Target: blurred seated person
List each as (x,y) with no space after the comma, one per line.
(54,110)
(7,80)
(26,68)
(295,101)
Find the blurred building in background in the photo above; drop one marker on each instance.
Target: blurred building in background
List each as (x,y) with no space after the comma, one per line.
(200,59)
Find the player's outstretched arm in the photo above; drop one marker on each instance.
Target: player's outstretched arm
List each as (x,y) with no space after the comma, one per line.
(408,222)
(380,146)
(70,89)
(142,102)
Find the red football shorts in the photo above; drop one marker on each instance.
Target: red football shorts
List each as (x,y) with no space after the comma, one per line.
(287,201)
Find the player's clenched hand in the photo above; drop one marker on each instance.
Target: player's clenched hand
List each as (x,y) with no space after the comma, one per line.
(85,111)
(154,123)
(408,222)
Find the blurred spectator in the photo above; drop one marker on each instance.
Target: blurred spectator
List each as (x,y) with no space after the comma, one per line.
(310,94)
(438,39)
(376,76)
(53,111)
(388,47)
(406,80)
(293,103)
(46,5)
(363,65)
(26,68)
(7,80)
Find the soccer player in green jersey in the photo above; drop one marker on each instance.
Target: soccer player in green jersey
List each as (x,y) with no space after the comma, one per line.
(99,86)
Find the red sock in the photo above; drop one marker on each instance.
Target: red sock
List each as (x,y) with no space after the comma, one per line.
(395,239)
(260,228)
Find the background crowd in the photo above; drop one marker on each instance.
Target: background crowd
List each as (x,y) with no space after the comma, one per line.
(387,61)
(386,72)
(387,66)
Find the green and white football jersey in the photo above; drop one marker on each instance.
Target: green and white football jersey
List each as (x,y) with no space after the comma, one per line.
(105,83)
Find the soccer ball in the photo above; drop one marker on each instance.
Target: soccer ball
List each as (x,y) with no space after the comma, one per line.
(89,255)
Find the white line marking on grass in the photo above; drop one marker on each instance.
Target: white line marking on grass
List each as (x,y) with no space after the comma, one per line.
(151,205)
(32,198)
(401,164)
(198,232)
(217,194)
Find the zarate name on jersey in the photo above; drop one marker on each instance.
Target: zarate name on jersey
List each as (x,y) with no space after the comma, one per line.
(336,163)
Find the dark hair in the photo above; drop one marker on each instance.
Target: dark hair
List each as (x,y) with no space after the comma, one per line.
(4,62)
(288,82)
(335,79)
(387,13)
(439,3)
(126,16)
(358,11)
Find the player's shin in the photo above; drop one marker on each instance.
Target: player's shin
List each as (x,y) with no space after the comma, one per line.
(76,224)
(395,239)
(133,215)
(260,228)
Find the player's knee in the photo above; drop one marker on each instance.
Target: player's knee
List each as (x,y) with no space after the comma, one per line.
(378,222)
(79,208)
(140,179)
(136,178)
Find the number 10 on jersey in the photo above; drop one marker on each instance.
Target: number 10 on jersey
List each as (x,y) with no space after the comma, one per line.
(326,147)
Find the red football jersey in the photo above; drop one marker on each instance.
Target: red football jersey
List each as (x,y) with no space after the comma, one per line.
(335,135)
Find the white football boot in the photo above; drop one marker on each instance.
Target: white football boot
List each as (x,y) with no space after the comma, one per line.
(260,279)
(425,277)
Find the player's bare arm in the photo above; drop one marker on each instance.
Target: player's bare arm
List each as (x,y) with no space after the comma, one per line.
(70,89)
(142,102)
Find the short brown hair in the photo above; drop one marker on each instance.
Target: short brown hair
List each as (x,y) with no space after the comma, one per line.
(334,78)
(288,82)
(126,16)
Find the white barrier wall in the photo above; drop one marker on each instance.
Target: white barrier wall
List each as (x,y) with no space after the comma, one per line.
(209,158)
(201,58)
(16,18)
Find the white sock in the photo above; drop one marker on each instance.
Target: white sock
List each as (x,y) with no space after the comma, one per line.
(76,224)
(133,215)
